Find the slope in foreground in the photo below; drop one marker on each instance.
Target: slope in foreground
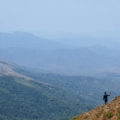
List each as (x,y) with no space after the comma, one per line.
(110,111)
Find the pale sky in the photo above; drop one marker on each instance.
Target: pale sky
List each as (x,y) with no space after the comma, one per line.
(55,18)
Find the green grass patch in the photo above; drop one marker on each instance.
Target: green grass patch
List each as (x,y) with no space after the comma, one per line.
(109,115)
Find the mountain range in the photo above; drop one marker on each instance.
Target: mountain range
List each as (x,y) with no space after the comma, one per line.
(52,57)
(30,95)
(26,40)
(50,80)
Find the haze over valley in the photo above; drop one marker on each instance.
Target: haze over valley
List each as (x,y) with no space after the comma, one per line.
(57,58)
(33,95)
(53,57)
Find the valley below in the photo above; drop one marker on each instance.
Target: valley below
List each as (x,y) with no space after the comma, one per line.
(46,80)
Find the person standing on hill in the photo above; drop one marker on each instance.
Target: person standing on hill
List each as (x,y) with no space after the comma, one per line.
(105,97)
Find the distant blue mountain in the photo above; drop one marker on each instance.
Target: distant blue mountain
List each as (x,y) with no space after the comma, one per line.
(26,40)
(48,56)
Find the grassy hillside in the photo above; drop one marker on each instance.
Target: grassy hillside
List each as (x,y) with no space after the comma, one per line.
(31,100)
(25,98)
(110,111)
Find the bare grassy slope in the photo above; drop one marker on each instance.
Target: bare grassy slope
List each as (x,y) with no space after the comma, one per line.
(7,68)
(111,111)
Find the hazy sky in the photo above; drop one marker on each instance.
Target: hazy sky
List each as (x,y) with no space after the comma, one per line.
(55,18)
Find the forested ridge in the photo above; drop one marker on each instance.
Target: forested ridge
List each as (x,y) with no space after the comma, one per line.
(90,88)
(26,94)
(22,99)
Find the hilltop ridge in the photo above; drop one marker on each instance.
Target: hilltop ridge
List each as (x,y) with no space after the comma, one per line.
(51,56)
(26,98)
(7,68)
(110,111)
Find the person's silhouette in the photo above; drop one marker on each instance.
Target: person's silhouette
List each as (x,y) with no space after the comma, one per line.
(105,97)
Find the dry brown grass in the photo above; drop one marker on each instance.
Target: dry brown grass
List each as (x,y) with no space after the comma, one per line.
(110,111)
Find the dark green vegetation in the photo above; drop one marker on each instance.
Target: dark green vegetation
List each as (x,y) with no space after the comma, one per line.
(90,88)
(22,99)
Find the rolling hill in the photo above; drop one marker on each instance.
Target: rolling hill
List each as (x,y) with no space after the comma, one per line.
(25,98)
(26,40)
(31,51)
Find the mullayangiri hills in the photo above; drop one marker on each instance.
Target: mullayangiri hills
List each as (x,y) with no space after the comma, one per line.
(25,98)
(50,80)
(49,56)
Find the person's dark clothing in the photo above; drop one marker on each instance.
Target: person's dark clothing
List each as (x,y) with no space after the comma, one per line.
(105,98)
